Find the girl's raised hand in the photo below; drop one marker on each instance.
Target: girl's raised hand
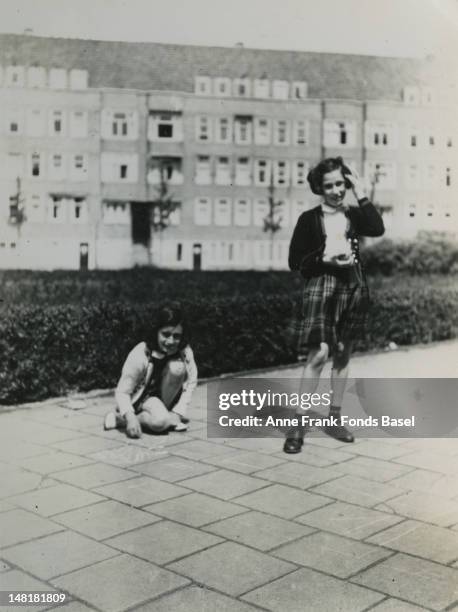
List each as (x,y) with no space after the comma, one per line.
(357,184)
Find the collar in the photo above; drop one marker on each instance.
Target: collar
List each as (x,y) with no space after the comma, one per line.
(157,354)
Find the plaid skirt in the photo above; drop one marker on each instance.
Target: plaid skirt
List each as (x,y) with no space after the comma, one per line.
(331,310)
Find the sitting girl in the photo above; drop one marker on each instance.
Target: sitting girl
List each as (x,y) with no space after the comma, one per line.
(157,380)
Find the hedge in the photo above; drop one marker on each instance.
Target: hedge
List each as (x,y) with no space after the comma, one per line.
(66,348)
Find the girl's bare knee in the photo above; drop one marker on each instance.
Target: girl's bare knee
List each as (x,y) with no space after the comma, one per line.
(176,368)
(319,358)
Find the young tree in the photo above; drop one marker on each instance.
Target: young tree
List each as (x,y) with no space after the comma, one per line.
(163,206)
(272,221)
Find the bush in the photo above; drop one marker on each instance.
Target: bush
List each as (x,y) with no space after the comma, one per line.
(416,257)
(59,349)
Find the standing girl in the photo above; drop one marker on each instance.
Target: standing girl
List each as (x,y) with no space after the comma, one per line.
(157,380)
(332,312)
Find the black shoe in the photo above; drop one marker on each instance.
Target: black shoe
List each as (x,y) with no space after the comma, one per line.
(339,432)
(294,441)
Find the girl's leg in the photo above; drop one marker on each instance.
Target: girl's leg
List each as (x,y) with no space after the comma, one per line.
(172,381)
(339,376)
(314,366)
(155,417)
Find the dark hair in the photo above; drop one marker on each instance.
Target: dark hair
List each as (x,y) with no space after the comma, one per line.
(166,316)
(316,174)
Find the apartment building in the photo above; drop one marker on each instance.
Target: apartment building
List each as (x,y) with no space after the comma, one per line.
(93,131)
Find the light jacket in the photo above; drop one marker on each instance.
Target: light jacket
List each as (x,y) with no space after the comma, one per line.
(137,372)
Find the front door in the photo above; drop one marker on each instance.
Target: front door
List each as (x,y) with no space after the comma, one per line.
(84,255)
(197,256)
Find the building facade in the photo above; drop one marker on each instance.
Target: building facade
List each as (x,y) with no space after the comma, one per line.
(89,146)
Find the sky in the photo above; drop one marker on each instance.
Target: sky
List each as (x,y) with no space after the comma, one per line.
(405,28)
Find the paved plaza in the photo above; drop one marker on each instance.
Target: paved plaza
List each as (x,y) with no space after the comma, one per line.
(185,523)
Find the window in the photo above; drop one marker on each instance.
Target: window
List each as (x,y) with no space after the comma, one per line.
(222,86)
(78,124)
(203,129)
(242,171)
(78,79)
(262,131)
(175,215)
(79,210)
(57,123)
(448,177)
(223,130)
(413,177)
(118,167)
(179,254)
(34,210)
(79,169)
(262,172)
(339,134)
(35,165)
(14,123)
(116,213)
(242,88)
(35,122)
(15,76)
(119,124)
(380,135)
(430,177)
(223,171)
(202,85)
(411,95)
(282,132)
(36,76)
(300,170)
(261,208)
(299,90)
(166,126)
(56,210)
(427,96)
(281,173)
(242,212)
(14,166)
(297,208)
(243,129)
(168,168)
(449,142)
(58,78)
(413,140)
(203,170)
(56,169)
(280,90)
(282,213)
(383,173)
(412,210)
(430,209)
(301,132)
(202,211)
(223,211)
(261,88)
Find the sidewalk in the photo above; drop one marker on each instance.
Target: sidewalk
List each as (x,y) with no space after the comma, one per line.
(183,523)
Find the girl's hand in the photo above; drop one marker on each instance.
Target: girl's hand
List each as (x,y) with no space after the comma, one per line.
(357,184)
(133,429)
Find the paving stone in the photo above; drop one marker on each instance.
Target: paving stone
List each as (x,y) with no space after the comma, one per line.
(53,462)
(432,483)
(318,456)
(125,456)
(18,481)
(94,475)
(231,568)
(196,599)
(308,590)
(396,605)
(424,507)
(195,509)
(444,446)
(87,444)
(119,583)
(358,490)
(19,526)
(245,462)
(297,475)
(141,491)
(428,541)
(416,580)
(12,449)
(73,606)
(224,484)
(378,450)
(15,580)
(373,469)
(201,449)
(430,460)
(4,567)
(79,421)
(262,445)
(40,433)
(105,520)
(56,499)
(348,520)
(331,554)
(282,501)
(258,530)
(173,469)
(163,542)
(57,554)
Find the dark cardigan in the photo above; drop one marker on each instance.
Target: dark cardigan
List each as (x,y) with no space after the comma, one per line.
(308,241)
